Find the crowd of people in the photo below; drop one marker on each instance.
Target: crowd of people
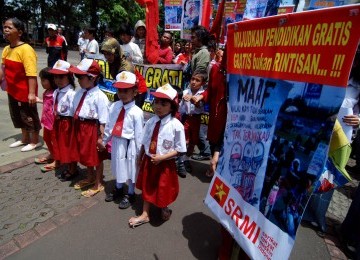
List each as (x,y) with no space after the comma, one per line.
(82,126)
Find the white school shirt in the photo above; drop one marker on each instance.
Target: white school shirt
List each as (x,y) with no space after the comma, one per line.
(93,48)
(171,135)
(82,43)
(65,100)
(95,106)
(188,108)
(133,51)
(133,122)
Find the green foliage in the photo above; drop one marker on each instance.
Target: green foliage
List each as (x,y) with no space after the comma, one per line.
(73,15)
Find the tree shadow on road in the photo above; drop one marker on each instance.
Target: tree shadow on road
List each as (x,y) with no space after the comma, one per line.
(203,235)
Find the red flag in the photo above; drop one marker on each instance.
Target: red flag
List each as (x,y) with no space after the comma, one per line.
(206,14)
(151,22)
(216,27)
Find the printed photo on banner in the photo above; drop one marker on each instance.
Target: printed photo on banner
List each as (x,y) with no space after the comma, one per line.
(286,83)
(191,17)
(173,11)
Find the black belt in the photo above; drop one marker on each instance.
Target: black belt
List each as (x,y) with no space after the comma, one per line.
(88,120)
(63,117)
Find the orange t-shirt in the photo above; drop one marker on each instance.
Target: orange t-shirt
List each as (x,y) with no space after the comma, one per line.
(20,63)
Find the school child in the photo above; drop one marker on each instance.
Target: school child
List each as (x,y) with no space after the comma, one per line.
(163,140)
(215,95)
(191,114)
(47,118)
(130,50)
(124,127)
(63,100)
(90,110)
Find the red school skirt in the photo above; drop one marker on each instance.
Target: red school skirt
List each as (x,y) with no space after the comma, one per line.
(86,136)
(62,140)
(159,183)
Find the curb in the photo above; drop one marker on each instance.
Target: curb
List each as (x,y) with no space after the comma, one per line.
(21,241)
(16,165)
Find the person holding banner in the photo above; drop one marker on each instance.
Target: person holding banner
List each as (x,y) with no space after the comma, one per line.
(165,51)
(157,178)
(191,114)
(131,50)
(139,37)
(215,95)
(114,56)
(184,57)
(352,103)
(199,62)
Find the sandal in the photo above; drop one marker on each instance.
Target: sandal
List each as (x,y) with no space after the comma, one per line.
(92,192)
(68,176)
(47,168)
(166,213)
(137,221)
(43,160)
(83,183)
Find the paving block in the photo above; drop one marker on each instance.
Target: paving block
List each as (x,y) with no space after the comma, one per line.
(76,210)
(26,238)
(8,249)
(43,228)
(61,218)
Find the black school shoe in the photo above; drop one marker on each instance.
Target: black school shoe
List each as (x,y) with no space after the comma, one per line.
(188,166)
(114,195)
(180,168)
(127,201)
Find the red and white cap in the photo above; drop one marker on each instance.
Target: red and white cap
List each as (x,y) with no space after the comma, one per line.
(166,91)
(60,67)
(86,67)
(51,26)
(125,79)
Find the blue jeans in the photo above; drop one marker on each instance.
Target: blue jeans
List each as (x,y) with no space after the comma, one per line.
(203,144)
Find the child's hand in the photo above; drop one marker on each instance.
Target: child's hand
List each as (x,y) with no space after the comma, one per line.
(39,100)
(195,101)
(156,158)
(187,97)
(100,146)
(351,120)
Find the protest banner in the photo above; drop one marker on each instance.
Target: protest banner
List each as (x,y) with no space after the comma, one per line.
(155,76)
(287,76)
(192,10)
(173,12)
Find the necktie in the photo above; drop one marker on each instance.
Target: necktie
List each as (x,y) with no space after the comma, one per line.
(154,137)
(77,111)
(119,123)
(56,104)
